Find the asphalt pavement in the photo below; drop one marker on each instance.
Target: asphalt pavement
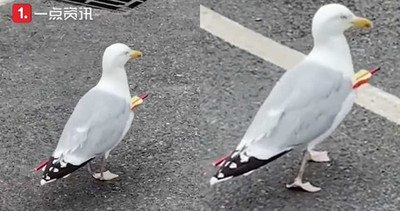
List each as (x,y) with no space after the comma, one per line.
(203,94)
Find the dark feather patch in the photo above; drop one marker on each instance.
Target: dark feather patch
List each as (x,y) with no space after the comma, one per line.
(234,166)
(55,171)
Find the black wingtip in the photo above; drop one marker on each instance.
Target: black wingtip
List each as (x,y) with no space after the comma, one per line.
(240,164)
(56,170)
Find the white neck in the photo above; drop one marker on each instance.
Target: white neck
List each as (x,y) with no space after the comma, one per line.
(115,81)
(335,53)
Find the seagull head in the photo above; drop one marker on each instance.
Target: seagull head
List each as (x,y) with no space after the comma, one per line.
(334,19)
(118,54)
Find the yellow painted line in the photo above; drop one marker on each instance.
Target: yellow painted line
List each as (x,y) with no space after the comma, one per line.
(368,96)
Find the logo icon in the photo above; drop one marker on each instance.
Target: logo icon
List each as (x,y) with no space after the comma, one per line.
(22,13)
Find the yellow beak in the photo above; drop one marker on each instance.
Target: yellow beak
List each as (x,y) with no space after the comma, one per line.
(362,23)
(136,54)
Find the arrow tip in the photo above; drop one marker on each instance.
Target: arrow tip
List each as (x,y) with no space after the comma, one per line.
(372,71)
(143,96)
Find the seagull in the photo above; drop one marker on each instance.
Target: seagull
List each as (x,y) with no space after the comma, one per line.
(305,106)
(98,123)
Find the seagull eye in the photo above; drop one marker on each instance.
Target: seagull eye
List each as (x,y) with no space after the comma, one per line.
(343,17)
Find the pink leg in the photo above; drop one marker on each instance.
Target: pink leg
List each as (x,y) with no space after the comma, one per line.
(298,183)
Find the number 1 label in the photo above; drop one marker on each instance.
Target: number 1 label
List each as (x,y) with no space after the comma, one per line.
(22,13)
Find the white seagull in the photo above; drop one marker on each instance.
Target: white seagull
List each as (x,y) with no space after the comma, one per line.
(306,105)
(99,121)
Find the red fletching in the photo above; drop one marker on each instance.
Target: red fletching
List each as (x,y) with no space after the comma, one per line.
(361,82)
(355,86)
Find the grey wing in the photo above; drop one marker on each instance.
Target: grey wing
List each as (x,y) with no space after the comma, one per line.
(95,127)
(301,107)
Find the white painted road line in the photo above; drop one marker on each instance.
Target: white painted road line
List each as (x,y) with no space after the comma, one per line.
(368,96)
(248,40)
(379,102)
